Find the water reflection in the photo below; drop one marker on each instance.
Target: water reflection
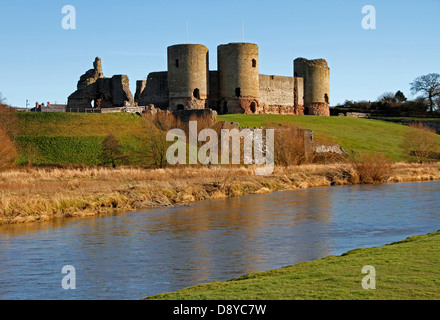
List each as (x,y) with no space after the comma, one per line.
(132,255)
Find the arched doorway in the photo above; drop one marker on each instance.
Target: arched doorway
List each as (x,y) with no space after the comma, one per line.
(196,93)
(253,107)
(224,108)
(180,107)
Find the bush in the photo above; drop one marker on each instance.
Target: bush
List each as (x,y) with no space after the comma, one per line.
(153,142)
(8,120)
(112,152)
(8,128)
(420,143)
(150,145)
(8,152)
(372,168)
(289,146)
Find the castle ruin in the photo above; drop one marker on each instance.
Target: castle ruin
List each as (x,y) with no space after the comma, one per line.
(236,86)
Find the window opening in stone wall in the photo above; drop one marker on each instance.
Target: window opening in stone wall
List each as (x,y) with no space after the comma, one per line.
(180,107)
(254,63)
(238,92)
(224,107)
(326,98)
(196,93)
(253,107)
(177,63)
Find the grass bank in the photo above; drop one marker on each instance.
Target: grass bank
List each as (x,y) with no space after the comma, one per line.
(46,138)
(405,270)
(36,194)
(353,134)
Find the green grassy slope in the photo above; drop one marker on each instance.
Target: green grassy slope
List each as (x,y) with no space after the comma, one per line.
(405,270)
(358,135)
(52,124)
(64,138)
(71,138)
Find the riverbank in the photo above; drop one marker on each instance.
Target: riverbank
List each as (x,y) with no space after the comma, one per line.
(405,270)
(39,194)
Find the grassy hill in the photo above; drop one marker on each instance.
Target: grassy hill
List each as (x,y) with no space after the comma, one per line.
(72,138)
(358,135)
(52,124)
(75,138)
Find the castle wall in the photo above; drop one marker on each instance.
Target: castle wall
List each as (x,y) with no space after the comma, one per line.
(188,72)
(103,92)
(238,77)
(140,87)
(298,95)
(214,94)
(155,90)
(120,91)
(276,94)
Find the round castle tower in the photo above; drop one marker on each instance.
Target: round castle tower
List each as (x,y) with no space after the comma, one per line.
(316,76)
(188,71)
(239,79)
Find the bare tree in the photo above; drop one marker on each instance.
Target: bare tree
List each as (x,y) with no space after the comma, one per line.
(8,128)
(8,151)
(152,145)
(157,146)
(387,96)
(2,99)
(112,151)
(421,143)
(290,146)
(429,86)
(437,102)
(8,120)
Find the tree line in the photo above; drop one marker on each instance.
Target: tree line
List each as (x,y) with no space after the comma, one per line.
(427,103)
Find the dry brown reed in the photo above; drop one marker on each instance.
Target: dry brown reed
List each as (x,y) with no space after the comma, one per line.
(36,194)
(372,168)
(8,127)
(8,152)
(290,146)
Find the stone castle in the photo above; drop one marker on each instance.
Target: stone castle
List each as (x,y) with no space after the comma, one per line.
(236,86)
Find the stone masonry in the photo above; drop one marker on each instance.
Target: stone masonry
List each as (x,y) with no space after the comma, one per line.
(103,92)
(235,87)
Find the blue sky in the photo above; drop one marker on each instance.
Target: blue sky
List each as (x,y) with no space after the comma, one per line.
(41,61)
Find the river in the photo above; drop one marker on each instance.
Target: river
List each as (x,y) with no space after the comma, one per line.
(132,255)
